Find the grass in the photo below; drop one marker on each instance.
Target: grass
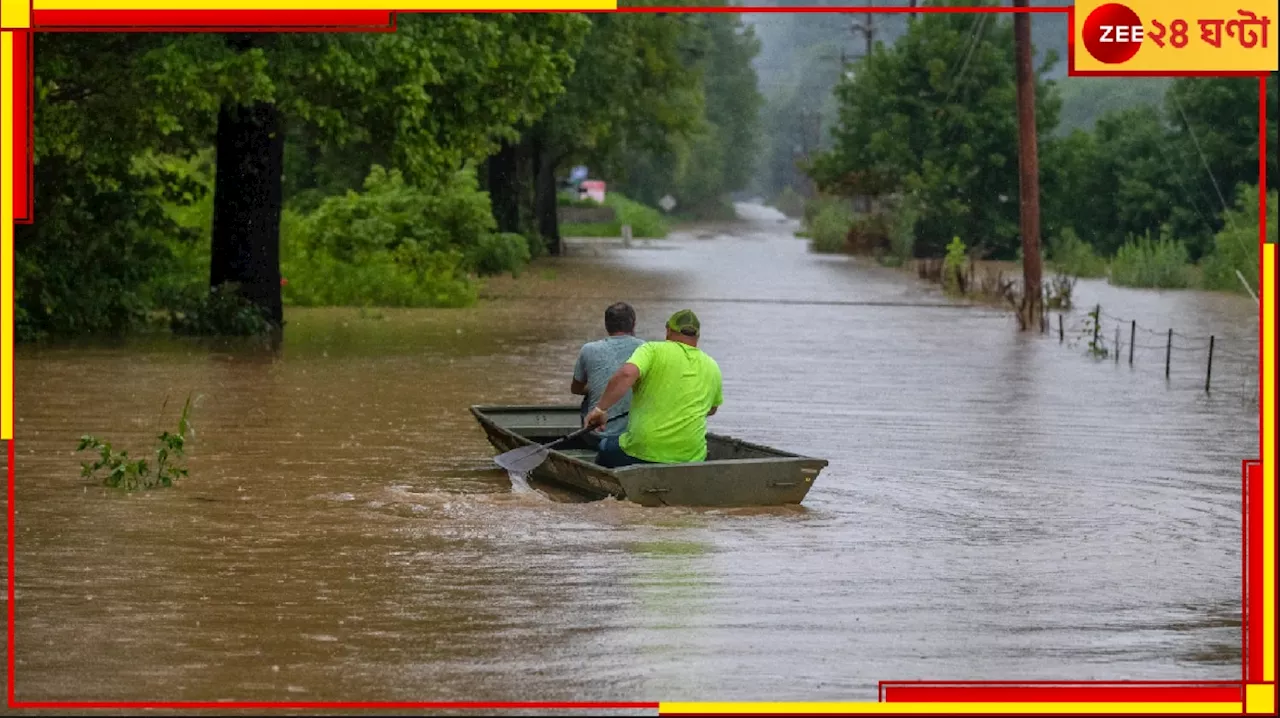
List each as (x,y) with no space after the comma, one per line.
(1152,263)
(1073,257)
(646,222)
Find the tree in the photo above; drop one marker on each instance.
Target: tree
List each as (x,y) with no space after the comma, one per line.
(934,115)
(428,99)
(1215,125)
(720,157)
(100,196)
(630,86)
(1156,170)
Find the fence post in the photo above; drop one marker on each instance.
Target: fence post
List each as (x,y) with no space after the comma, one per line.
(1209,371)
(1168,349)
(1133,332)
(1097,323)
(1117,343)
(1061,335)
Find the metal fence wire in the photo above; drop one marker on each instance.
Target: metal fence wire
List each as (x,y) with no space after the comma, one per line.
(1108,337)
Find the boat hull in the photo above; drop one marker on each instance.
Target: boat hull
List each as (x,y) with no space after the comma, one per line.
(736,473)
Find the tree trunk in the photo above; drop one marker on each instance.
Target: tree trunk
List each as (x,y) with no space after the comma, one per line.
(247,202)
(503,169)
(544,195)
(1030,313)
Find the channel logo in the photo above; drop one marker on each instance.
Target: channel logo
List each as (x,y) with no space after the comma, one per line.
(1174,36)
(1112,33)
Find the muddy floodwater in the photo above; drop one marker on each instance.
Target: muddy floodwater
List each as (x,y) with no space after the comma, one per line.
(998,505)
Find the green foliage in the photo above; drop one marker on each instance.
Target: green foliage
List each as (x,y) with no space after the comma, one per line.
(629,87)
(133,474)
(902,230)
(953,264)
(1085,99)
(111,243)
(1092,332)
(436,94)
(789,202)
(395,244)
(1153,169)
(646,222)
(1073,257)
(932,115)
(701,168)
(1151,263)
(1235,247)
(828,221)
(499,253)
(101,196)
(219,311)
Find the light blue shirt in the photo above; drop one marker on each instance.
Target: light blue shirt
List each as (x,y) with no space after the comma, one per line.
(597,363)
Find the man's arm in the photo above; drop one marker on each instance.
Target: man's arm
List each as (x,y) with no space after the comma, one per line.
(718,399)
(619,385)
(579,384)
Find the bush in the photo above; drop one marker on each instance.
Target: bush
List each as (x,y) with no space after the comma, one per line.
(828,222)
(499,253)
(953,265)
(790,203)
(1153,264)
(902,230)
(219,311)
(1235,248)
(396,244)
(1073,257)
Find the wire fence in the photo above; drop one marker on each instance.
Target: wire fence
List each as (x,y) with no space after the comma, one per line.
(1205,364)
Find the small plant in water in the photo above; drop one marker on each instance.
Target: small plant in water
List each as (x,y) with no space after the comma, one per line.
(1092,325)
(133,474)
(953,265)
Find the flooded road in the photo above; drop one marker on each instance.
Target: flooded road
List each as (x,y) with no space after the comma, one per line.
(997,506)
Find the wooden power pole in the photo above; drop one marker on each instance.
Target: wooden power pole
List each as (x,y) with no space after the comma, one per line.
(1028,172)
(867,30)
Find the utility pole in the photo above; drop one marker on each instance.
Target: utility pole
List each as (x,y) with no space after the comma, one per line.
(1028,171)
(867,30)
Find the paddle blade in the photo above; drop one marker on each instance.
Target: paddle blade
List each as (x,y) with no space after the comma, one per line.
(522,460)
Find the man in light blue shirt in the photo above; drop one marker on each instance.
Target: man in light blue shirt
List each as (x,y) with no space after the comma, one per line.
(599,360)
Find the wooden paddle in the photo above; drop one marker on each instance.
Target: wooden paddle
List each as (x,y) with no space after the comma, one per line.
(525,459)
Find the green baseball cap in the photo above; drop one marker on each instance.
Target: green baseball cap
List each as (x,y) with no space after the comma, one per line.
(685,322)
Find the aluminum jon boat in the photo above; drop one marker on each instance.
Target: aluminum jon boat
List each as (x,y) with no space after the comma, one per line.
(736,473)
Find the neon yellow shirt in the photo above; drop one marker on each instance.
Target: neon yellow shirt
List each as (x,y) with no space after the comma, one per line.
(678,386)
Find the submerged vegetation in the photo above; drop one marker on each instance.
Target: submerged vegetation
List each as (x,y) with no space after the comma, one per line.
(129,474)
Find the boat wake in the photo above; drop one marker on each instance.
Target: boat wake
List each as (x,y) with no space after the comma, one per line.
(520,484)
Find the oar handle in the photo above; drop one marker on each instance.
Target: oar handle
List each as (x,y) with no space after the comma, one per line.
(582,431)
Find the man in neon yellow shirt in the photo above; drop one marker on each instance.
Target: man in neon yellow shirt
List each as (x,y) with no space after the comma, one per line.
(674,388)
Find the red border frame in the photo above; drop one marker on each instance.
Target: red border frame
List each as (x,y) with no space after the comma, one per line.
(889,691)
